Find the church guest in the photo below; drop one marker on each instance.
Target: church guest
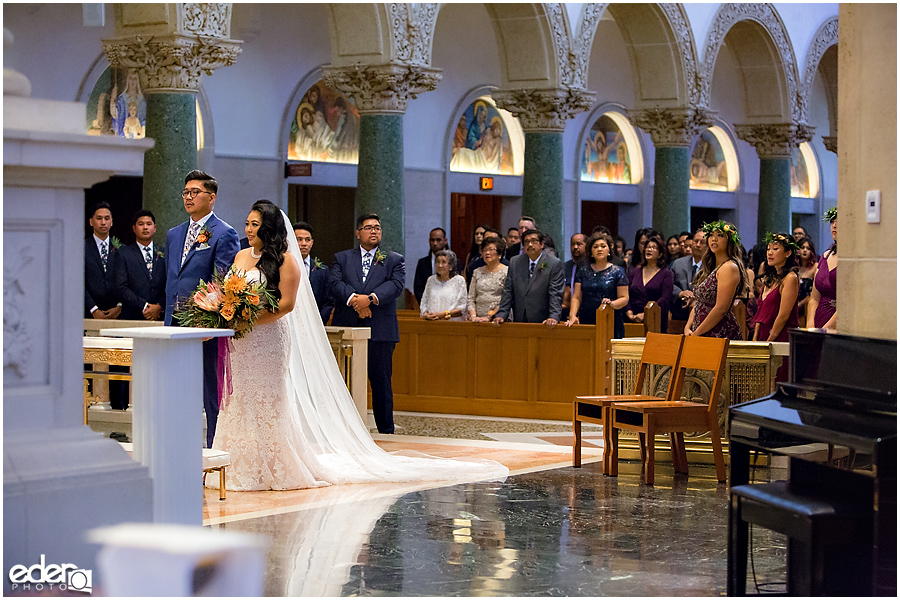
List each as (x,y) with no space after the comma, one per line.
(620,260)
(101,264)
(318,271)
(684,271)
(652,281)
(478,261)
(525,223)
(141,280)
(425,268)
(512,236)
(721,280)
(533,289)
(486,287)
(777,310)
(673,246)
(445,291)
(807,273)
(686,240)
(637,251)
(475,248)
(799,233)
(577,249)
(597,283)
(821,311)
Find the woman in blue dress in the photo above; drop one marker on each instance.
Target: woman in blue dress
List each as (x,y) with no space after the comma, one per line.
(596,283)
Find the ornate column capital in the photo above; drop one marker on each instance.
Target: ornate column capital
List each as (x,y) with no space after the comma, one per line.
(830,142)
(672,127)
(775,140)
(171,63)
(544,109)
(382,89)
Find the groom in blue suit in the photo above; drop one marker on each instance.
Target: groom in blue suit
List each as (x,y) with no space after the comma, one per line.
(194,250)
(365,283)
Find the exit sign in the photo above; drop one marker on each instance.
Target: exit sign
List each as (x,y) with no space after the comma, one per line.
(297,169)
(486,183)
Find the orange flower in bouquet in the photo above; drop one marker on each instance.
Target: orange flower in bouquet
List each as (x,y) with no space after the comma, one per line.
(229,301)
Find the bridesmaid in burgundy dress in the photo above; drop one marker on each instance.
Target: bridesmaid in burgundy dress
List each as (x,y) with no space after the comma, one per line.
(721,280)
(822,308)
(777,310)
(652,281)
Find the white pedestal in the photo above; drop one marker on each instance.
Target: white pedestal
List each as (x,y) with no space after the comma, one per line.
(167,380)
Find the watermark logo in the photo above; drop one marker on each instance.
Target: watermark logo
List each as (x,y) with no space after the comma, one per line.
(64,577)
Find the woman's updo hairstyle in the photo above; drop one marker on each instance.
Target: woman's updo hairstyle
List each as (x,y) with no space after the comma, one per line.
(273,235)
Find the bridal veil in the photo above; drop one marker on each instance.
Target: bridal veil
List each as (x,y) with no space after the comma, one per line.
(331,423)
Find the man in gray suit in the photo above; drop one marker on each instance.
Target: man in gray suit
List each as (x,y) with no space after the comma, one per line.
(685,269)
(534,285)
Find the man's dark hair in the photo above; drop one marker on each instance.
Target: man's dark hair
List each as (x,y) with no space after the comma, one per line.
(209,182)
(303,225)
(511,229)
(363,218)
(532,232)
(99,205)
(441,229)
(601,229)
(684,233)
(142,213)
(488,229)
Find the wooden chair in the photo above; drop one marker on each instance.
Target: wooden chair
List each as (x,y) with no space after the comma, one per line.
(674,416)
(659,349)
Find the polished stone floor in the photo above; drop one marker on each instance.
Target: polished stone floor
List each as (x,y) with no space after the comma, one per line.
(548,531)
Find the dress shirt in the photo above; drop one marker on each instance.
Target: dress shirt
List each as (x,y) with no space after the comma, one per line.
(99,242)
(362,255)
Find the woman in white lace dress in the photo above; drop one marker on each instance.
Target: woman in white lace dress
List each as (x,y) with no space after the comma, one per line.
(290,421)
(445,291)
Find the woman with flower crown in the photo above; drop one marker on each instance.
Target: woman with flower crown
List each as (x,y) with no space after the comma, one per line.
(289,422)
(821,312)
(777,310)
(721,280)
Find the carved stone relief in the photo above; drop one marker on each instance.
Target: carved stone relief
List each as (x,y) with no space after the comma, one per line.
(544,110)
(670,127)
(687,50)
(17,336)
(171,63)
(775,140)
(825,38)
(212,18)
(765,15)
(830,142)
(412,26)
(382,88)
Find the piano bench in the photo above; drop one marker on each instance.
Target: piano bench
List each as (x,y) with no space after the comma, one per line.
(827,539)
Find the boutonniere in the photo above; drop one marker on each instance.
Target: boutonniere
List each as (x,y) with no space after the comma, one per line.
(114,242)
(380,256)
(203,238)
(160,253)
(318,264)
(542,265)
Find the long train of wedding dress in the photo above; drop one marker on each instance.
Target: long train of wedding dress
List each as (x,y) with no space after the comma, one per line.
(291,423)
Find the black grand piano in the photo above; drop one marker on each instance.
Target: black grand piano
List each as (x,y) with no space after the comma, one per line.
(836,420)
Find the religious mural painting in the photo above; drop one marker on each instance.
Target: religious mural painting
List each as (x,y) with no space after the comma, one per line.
(709,168)
(801,186)
(116,105)
(606,157)
(325,127)
(482,142)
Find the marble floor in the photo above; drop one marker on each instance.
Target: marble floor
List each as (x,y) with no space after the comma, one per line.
(548,530)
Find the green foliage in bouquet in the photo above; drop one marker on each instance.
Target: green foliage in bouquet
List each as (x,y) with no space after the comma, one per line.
(227,302)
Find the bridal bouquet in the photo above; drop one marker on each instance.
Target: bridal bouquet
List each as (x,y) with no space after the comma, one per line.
(227,302)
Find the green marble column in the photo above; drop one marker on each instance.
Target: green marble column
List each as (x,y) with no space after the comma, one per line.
(379,176)
(542,184)
(774,196)
(172,123)
(671,208)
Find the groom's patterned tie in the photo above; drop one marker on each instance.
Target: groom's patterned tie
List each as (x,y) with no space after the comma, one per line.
(104,254)
(366,263)
(190,239)
(148,258)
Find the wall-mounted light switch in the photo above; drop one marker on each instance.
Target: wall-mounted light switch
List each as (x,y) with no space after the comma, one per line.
(873,206)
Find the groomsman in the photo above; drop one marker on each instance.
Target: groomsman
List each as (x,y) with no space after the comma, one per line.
(365,283)
(142,279)
(318,272)
(194,250)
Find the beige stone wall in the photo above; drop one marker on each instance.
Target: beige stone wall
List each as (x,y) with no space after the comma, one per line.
(867,160)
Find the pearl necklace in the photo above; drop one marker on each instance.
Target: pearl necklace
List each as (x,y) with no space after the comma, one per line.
(253,253)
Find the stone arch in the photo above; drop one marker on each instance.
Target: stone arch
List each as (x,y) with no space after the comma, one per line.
(661,46)
(762,47)
(822,58)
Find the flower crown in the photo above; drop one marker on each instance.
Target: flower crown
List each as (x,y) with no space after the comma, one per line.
(830,214)
(722,227)
(780,238)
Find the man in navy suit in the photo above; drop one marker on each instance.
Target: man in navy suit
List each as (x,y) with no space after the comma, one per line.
(102,263)
(365,283)
(318,272)
(194,250)
(141,280)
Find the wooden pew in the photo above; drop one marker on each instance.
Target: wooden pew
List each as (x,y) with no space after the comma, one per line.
(652,322)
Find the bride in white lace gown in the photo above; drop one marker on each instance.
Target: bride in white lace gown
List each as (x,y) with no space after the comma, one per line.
(290,421)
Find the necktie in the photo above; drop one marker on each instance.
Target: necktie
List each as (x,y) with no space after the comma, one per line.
(104,254)
(148,258)
(189,241)
(366,263)
(530,269)
(693,272)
